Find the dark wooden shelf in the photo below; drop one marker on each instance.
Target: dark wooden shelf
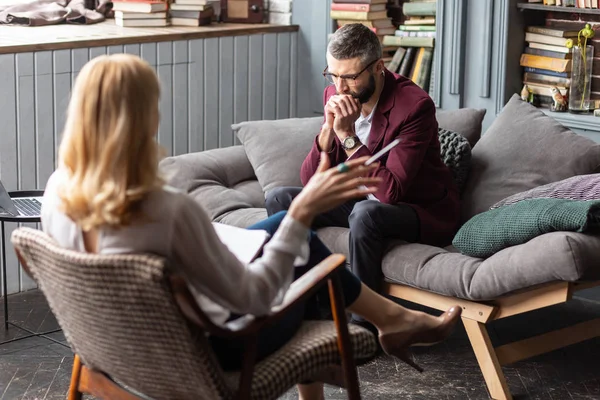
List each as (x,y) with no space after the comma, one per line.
(570,10)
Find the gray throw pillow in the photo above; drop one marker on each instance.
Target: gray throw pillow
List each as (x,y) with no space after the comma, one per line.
(524,148)
(456,154)
(466,121)
(276,149)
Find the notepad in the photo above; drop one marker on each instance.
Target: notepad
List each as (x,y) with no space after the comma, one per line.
(244,243)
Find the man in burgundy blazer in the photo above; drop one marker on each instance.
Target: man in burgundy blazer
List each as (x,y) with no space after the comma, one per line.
(417,200)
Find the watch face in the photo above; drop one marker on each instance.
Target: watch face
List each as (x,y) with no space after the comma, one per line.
(349,142)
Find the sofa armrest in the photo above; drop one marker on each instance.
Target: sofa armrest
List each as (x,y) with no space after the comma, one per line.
(221,180)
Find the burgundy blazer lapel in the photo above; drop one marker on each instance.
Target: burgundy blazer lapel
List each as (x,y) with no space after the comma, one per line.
(381,114)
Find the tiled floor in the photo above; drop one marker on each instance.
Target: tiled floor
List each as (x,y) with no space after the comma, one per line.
(37,368)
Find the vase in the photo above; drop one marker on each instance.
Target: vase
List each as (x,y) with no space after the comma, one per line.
(581,79)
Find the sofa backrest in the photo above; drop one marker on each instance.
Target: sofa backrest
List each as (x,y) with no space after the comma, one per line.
(524,148)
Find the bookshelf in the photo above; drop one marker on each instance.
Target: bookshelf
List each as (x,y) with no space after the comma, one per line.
(570,10)
(538,14)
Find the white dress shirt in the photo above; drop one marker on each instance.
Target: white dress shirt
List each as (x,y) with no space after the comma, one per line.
(362,128)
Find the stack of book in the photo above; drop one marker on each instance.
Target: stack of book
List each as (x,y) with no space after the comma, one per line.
(547,61)
(371,13)
(191,12)
(136,13)
(414,42)
(568,3)
(280,12)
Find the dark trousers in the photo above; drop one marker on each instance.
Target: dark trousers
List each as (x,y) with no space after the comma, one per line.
(229,352)
(372,225)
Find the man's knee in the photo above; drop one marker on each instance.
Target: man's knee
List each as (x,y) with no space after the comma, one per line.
(280,198)
(364,218)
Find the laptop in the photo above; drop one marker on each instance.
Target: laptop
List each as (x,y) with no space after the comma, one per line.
(19,206)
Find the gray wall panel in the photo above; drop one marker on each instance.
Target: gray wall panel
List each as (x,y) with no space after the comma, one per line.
(196,95)
(164,70)
(206,84)
(226,102)
(284,49)
(255,78)
(240,78)
(269,94)
(180,97)
(211,93)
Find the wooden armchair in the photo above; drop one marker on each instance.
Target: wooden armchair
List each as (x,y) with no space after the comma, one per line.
(137,332)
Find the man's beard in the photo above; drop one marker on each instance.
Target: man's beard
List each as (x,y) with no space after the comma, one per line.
(364,95)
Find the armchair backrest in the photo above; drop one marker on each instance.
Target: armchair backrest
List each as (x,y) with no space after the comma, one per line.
(119,315)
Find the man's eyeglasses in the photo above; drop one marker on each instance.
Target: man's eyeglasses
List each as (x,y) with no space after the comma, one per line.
(350,79)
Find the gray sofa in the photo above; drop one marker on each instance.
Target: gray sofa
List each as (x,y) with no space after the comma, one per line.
(522,149)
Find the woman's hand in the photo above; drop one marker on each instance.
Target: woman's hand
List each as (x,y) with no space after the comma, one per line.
(329,188)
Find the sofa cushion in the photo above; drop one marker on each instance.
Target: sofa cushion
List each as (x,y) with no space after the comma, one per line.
(456,154)
(580,187)
(494,230)
(466,121)
(556,256)
(522,149)
(221,180)
(276,149)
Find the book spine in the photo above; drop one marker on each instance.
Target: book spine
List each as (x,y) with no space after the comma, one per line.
(407,62)
(397,59)
(546,72)
(547,53)
(540,30)
(552,64)
(535,37)
(408,41)
(352,15)
(425,68)
(546,79)
(350,7)
(418,9)
(416,70)
(428,28)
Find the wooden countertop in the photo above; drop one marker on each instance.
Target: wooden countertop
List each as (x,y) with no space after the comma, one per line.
(19,39)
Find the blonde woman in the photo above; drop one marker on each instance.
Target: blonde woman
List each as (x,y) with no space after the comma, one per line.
(108,197)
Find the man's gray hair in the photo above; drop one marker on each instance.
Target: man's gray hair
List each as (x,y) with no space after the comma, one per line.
(355,40)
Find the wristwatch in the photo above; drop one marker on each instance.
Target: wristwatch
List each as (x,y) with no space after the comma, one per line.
(350,142)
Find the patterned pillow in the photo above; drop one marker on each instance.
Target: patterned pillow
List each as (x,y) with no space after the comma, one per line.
(579,187)
(456,154)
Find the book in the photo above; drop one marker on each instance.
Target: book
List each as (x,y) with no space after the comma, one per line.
(189,7)
(191,14)
(544,39)
(419,8)
(194,2)
(397,59)
(551,64)
(414,20)
(417,65)
(134,15)
(408,41)
(142,22)
(139,6)
(245,244)
(432,75)
(546,79)
(357,7)
(407,61)
(283,6)
(555,31)
(549,47)
(358,15)
(545,90)
(360,1)
(414,34)
(428,28)
(547,72)
(548,53)
(423,76)
(375,23)
(280,18)
(177,21)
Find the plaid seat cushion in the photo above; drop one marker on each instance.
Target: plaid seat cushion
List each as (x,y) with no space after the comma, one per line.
(312,349)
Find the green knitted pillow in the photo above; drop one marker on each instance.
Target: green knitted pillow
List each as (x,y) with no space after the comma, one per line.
(491,231)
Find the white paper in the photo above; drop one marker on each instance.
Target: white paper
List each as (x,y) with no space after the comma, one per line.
(244,243)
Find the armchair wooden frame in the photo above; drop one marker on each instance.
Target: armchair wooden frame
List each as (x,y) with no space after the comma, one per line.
(87,381)
(476,315)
